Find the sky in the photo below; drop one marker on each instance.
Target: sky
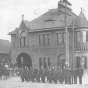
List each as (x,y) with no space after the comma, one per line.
(11,12)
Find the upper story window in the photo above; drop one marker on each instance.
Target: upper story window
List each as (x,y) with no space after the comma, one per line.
(23,39)
(63,37)
(44,39)
(40,39)
(48,38)
(84,36)
(59,40)
(78,34)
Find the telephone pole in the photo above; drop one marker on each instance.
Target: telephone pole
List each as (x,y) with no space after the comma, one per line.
(65,4)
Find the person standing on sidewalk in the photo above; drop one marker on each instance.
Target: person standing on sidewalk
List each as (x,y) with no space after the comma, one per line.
(74,75)
(80,74)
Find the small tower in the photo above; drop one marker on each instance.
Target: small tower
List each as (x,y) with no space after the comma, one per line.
(22,17)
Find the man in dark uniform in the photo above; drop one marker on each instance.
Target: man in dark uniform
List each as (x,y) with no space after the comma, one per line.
(41,72)
(61,75)
(22,74)
(35,73)
(58,73)
(55,76)
(27,74)
(32,74)
(80,74)
(65,73)
(47,73)
(38,75)
(43,76)
(74,74)
(52,73)
(50,76)
(69,75)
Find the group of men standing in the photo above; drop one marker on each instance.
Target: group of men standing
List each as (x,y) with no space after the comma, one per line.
(65,75)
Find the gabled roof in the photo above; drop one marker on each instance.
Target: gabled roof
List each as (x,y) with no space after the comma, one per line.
(5,46)
(52,18)
(81,20)
(12,32)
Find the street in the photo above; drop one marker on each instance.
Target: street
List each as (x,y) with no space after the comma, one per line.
(15,82)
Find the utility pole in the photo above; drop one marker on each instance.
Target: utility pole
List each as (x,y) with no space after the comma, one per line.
(66,38)
(73,45)
(64,3)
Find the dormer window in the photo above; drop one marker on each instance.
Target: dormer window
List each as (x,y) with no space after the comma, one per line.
(23,39)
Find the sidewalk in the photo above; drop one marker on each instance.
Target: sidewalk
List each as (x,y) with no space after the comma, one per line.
(85,77)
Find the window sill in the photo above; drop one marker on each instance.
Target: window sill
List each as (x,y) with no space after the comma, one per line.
(44,45)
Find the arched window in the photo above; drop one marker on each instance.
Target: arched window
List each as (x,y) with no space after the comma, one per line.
(23,39)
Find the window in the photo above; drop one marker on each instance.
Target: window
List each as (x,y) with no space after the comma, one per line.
(87,36)
(48,38)
(84,36)
(23,39)
(49,62)
(44,39)
(40,39)
(63,36)
(59,38)
(21,42)
(44,59)
(78,34)
(40,62)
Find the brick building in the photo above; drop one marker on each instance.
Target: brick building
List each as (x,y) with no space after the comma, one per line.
(41,42)
(5,51)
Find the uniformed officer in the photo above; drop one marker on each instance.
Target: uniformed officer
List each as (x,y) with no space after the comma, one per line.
(52,73)
(41,72)
(58,73)
(61,76)
(80,74)
(75,75)
(38,75)
(55,76)
(35,73)
(43,76)
(27,74)
(22,75)
(47,73)
(69,75)
(50,76)
(32,74)
(65,72)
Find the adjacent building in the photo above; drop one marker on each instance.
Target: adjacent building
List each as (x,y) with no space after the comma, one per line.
(5,51)
(41,42)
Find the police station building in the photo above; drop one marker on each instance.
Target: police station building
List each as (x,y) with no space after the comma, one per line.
(41,42)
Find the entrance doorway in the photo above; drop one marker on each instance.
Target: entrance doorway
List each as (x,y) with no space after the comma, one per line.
(61,61)
(77,62)
(85,62)
(23,60)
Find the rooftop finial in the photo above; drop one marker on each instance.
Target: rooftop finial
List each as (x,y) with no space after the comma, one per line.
(81,9)
(22,17)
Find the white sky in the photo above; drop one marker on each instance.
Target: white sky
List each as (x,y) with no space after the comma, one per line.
(12,10)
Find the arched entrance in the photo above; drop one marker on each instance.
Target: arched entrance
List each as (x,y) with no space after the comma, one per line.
(61,60)
(23,60)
